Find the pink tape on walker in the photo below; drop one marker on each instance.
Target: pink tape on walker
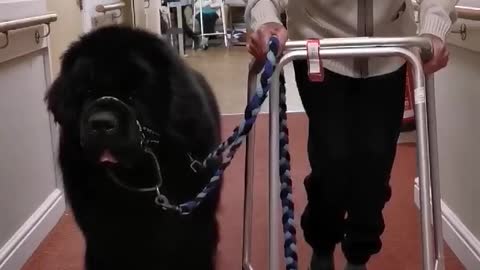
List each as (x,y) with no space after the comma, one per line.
(315,67)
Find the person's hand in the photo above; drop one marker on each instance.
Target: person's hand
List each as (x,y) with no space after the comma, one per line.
(257,43)
(440,55)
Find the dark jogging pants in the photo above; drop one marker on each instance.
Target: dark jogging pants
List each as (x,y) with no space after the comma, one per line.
(354,125)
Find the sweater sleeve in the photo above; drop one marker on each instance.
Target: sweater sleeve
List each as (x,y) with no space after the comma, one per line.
(205,4)
(436,17)
(258,12)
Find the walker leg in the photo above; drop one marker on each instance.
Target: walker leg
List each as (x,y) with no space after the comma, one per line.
(274,181)
(180,26)
(423,159)
(224,25)
(203,43)
(170,22)
(249,174)
(434,180)
(193,23)
(431,240)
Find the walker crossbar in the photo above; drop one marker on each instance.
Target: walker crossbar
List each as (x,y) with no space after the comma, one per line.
(427,160)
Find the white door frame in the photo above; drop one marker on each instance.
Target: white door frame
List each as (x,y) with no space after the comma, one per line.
(112,13)
(29,42)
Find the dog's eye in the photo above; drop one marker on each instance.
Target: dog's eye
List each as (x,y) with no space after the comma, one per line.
(132,95)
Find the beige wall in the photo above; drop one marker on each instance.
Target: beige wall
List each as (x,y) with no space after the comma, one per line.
(457,93)
(65,30)
(30,199)
(458,111)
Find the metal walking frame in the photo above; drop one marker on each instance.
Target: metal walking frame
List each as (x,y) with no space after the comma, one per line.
(427,159)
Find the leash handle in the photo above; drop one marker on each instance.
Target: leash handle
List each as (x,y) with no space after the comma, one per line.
(274,44)
(225,152)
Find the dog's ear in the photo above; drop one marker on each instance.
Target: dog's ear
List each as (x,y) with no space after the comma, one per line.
(61,98)
(57,100)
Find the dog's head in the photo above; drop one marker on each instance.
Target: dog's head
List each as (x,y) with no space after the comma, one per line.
(113,93)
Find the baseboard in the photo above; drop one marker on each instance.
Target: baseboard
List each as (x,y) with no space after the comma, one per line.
(407,137)
(459,238)
(260,113)
(23,243)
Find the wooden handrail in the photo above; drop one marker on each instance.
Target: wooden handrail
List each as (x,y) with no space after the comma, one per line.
(468,13)
(463,12)
(110,7)
(16,24)
(11,25)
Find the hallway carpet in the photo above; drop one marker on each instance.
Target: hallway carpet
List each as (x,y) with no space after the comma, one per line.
(63,248)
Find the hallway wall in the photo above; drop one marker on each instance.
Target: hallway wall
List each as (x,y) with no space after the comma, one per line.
(67,30)
(458,128)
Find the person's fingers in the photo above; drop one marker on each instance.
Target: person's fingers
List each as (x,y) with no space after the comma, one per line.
(259,41)
(446,56)
(435,64)
(439,58)
(254,46)
(443,61)
(279,33)
(254,38)
(257,52)
(428,67)
(283,36)
(263,37)
(251,50)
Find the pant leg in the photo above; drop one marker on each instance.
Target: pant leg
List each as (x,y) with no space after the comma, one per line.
(209,21)
(329,153)
(380,104)
(186,29)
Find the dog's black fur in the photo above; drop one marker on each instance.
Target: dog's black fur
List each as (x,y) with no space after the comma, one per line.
(125,229)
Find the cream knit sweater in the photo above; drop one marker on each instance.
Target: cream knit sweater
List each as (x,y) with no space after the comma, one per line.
(339,18)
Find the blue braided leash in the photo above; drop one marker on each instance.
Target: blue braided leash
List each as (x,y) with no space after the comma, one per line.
(226,151)
(286,192)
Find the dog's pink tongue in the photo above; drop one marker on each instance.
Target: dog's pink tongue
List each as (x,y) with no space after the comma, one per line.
(107,157)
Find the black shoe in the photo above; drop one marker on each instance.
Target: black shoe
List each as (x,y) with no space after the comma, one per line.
(355,267)
(197,40)
(322,263)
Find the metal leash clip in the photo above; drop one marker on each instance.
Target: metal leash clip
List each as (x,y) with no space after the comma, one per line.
(162,201)
(195,165)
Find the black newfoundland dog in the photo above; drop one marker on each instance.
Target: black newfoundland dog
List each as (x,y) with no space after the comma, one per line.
(133,116)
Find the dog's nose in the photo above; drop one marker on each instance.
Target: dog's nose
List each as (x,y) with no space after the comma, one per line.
(103,122)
